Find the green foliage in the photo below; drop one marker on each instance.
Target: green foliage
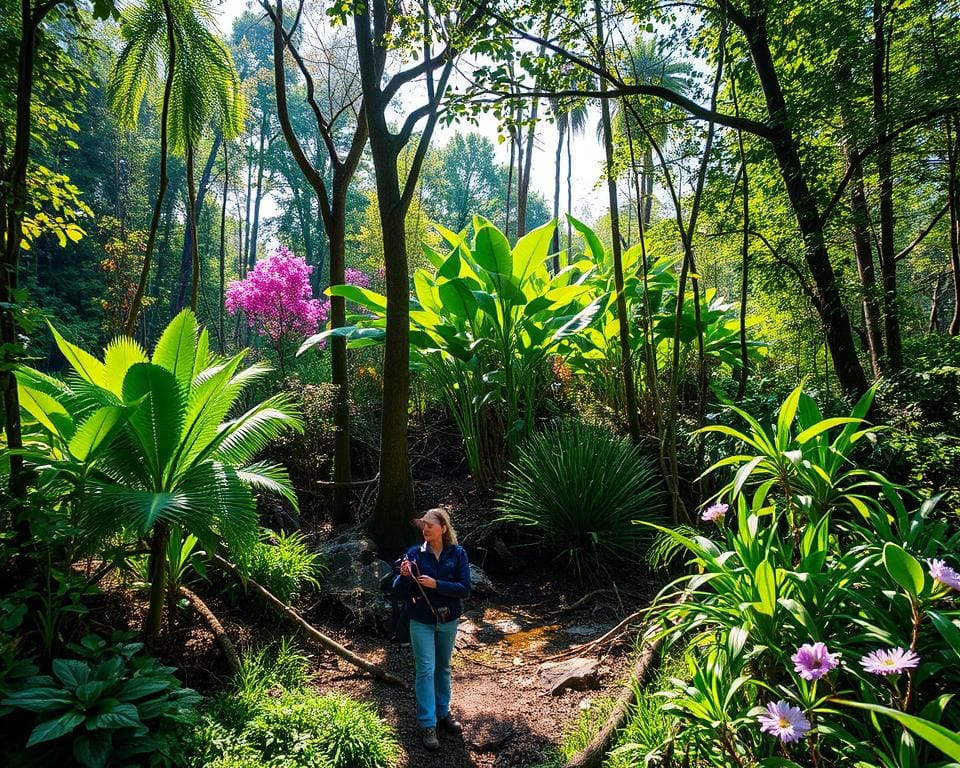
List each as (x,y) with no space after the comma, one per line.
(141,444)
(484,324)
(273,720)
(284,564)
(579,490)
(107,709)
(817,551)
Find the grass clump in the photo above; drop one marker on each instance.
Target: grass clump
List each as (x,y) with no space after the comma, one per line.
(284,564)
(272,719)
(579,490)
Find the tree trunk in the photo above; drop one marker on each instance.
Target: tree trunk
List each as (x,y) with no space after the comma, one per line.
(137,301)
(340,514)
(569,195)
(195,201)
(158,580)
(523,178)
(888,263)
(223,253)
(626,359)
(255,227)
(953,194)
(192,221)
(561,131)
(933,326)
(828,301)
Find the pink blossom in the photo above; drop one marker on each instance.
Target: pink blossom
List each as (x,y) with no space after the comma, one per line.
(276,297)
(890,661)
(357,277)
(715,513)
(814,661)
(943,573)
(784,721)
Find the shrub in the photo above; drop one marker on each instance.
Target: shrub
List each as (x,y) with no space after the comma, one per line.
(812,604)
(284,564)
(579,490)
(103,710)
(273,720)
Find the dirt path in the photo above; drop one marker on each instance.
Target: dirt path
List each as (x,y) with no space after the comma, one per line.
(499,691)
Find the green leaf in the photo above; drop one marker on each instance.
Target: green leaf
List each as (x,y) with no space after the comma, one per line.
(115,715)
(176,351)
(375,302)
(531,251)
(158,419)
(119,355)
(47,411)
(903,568)
(455,295)
(492,251)
(86,365)
(787,412)
(96,431)
(92,750)
(823,426)
(936,735)
(947,629)
(54,729)
(766,582)
(595,250)
(71,672)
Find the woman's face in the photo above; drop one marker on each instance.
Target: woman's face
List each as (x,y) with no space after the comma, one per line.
(432,530)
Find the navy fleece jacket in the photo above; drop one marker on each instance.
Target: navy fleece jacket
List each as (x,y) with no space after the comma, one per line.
(452,572)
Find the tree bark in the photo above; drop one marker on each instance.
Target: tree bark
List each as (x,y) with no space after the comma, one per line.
(953,193)
(893,360)
(223,252)
(219,633)
(561,132)
(827,299)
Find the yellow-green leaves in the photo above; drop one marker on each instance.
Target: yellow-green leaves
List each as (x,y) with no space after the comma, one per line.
(904,569)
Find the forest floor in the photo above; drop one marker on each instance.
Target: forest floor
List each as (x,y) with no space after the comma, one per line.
(500,686)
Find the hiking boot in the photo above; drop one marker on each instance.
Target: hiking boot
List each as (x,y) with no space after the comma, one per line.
(449,723)
(429,738)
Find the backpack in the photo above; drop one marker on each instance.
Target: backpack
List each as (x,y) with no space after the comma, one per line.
(397,626)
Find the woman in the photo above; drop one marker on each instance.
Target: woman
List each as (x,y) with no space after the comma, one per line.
(436,576)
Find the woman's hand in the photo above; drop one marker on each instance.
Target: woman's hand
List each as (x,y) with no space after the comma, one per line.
(405,568)
(427,581)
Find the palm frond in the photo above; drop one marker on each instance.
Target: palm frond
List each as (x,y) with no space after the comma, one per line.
(269,477)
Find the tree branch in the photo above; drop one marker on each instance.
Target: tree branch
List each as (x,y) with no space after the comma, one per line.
(923,233)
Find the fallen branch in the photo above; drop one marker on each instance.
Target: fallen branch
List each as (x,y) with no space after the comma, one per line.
(219,633)
(591,756)
(576,650)
(289,613)
(578,603)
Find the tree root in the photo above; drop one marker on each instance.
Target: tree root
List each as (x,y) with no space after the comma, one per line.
(219,633)
(591,756)
(290,614)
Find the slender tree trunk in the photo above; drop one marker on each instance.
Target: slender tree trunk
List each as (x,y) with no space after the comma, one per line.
(647,186)
(523,179)
(195,200)
(14,205)
(513,148)
(888,262)
(933,326)
(744,255)
(245,240)
(223,252)
(195,247)
(828,300)
(561,131)
(255,227)
(953,193)
(137,302)
(569,195)
(626,358)
(158,580)
(341,443)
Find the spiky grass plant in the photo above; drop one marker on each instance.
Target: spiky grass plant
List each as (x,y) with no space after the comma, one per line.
(579,489)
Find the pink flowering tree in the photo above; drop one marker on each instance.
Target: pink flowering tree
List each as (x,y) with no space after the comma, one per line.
(278,302)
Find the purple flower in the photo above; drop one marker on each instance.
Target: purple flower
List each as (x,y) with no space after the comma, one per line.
(943,573)
(814,661)
(889,661)
(715,512)
(784,721)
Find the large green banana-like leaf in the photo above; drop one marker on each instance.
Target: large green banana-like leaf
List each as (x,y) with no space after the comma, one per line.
(158,420)
(177,349)
(366,298)
(491,250)
(531,251)
(86,365)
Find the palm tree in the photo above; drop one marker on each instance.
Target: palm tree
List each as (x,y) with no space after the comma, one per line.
(175,40)
(571,119)
(148,446)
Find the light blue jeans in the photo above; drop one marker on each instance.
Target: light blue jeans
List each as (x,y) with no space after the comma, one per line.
(432,649)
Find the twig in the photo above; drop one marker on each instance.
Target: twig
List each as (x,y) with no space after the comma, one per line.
(577,604)
(573,650)
(289,613)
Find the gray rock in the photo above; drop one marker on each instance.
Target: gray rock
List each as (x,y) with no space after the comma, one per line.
(354,576)
(480,584)
(577,674)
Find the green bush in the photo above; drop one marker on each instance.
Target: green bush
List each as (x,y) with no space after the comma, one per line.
(273,720)
(284,564)
(579,489)
(103,710)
